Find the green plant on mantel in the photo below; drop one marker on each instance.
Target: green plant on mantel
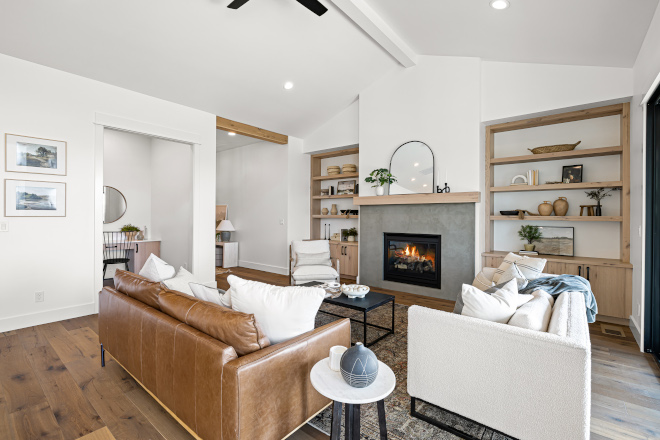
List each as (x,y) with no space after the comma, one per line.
(530,233)
(129,228)
(380,177)
(351,232)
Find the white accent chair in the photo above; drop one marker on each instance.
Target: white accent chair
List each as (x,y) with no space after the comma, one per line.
(526,384)
(305,274)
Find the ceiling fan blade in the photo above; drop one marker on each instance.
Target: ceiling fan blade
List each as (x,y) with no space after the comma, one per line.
(237,4)
(313,5)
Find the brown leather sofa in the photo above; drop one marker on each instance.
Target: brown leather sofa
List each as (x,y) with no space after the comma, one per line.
(210,366)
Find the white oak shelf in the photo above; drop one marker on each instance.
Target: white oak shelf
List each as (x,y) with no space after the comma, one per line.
(337,176)
(335,216)
(577,260)
(557,186)
(575,154)
(556,218)
(419,199)
(336,196)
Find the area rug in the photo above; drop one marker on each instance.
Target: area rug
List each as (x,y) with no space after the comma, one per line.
(393,351)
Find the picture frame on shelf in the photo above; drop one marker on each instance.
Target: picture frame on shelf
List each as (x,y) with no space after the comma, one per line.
(25,154)
(346,187)
(571,174)
(344,236)
(556,240)
(31,198)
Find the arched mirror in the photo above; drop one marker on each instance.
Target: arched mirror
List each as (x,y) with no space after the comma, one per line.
(412,165)
(114,204)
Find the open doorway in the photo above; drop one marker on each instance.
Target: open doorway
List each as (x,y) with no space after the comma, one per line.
(148,186)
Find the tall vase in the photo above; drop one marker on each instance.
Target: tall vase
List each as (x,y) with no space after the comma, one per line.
(380,190)
(599,209)
(333,210)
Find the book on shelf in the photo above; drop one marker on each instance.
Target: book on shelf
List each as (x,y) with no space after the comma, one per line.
(528,252)
(533,177)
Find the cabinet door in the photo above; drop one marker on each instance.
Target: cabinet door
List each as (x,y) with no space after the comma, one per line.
(142,252)
(559,268)
(335,253)
(349,261)
(609,287)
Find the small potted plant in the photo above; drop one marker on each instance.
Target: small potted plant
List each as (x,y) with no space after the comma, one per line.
(130,231)
(379,178)
(598,195)
(350,234)
(531,234)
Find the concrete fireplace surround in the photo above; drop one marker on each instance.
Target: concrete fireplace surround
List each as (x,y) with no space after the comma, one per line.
(454,222)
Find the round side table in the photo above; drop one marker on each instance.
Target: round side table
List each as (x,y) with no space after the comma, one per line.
(331,384)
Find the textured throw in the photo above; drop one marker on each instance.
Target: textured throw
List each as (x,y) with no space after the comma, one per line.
(564,283)
(393,350)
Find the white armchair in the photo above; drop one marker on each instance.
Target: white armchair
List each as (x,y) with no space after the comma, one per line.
(310,250)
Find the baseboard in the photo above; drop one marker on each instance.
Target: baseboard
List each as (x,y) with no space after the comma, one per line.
(635,330)
(46,317)
(264,267)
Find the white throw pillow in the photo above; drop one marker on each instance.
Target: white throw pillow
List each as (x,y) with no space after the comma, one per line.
(282,312)
(482,282)
(181,282)
(319,259)
(156,269)
(211,294)
(497,307)
(532,268)
(514,273)
(535,315)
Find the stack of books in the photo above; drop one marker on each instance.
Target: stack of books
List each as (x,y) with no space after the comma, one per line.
(528,252)
(533,177)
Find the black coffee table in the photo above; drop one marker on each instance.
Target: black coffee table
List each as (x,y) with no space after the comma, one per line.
(370,302)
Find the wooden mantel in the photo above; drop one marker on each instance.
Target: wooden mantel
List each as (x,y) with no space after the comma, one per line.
(419,199)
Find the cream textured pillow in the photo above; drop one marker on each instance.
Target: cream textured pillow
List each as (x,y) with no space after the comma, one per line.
(211,294)
(156,269)
(532,268)
(181,282)
(535,315)
(482,282)
(282,312)
(514,273)
(319,259)
(498,307)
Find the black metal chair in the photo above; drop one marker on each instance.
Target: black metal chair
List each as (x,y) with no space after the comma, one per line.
(116,248)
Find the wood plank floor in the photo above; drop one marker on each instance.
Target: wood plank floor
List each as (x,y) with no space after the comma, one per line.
(52,385)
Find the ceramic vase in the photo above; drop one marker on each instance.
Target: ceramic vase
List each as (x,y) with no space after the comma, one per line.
(380,190)
(324,211)
(529,247)
(598,210)
(560,206)
(351,238)
(545,208)
(333,210)
(359,366)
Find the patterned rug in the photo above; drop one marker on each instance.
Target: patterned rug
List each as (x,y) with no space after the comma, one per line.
(393,351)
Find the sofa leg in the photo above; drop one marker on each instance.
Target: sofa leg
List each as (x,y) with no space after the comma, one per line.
(439,424)
(102,356)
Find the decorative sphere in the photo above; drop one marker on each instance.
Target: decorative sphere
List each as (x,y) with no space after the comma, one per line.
(359,366)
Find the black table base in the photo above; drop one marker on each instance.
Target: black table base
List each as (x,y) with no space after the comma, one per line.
(352,421)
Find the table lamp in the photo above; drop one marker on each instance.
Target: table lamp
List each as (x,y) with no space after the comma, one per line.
(225,228)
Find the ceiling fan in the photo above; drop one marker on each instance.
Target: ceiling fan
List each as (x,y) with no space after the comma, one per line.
(313,5)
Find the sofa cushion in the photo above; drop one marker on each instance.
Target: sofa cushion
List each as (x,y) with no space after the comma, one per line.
(514,273)
(311,273)
(532,268)
(535,315)
(315,259)
(236,329)
(283,312)
(560,315)
(519,301)
(497,307)
(138,287)
(482,281)
(181,282)
(156,269)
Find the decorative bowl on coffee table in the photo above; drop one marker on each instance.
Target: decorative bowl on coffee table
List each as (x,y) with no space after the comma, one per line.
(355,290)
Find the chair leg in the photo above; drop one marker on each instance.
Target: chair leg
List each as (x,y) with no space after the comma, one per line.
(126,264)
(102,356)
(105,266)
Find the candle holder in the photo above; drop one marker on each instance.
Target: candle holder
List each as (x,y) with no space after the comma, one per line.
(446,189)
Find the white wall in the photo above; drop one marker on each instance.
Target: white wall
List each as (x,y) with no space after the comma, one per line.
(645,71)
(127,168)
(57,255)
(298,173)
(339,132)
(253,181)
(171,201)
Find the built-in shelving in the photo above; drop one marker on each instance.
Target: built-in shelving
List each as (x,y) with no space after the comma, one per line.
(575,154)
(576,260)
(336,196)
(419,199)
(556,218)
(337,176)
(557,186)
(334,216)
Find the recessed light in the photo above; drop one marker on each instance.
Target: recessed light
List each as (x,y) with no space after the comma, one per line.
(231,133)
(425,185)
(288,85)
(412,180)
(416,164)
(499,4)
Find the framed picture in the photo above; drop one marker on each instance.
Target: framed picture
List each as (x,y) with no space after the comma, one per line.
(571,174)
(30,198)
(34,155)
(344,237)
(346,187)
(556,241)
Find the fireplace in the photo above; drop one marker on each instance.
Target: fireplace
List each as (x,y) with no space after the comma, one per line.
(412,259)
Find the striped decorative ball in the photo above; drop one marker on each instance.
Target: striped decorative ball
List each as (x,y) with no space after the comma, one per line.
(359,366)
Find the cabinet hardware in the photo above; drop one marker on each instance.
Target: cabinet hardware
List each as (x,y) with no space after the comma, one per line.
(579,271)
(137,247)
(587,273)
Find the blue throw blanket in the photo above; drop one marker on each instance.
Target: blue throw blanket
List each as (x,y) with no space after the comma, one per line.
(563,283)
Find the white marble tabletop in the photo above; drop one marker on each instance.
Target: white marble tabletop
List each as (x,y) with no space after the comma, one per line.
(333,386)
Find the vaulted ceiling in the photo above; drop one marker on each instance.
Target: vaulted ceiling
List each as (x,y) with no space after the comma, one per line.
(233,63)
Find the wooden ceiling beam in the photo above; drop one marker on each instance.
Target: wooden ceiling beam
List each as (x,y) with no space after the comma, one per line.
(250,131)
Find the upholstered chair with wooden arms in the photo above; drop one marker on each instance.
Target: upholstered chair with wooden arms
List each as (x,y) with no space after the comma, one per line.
(309,260)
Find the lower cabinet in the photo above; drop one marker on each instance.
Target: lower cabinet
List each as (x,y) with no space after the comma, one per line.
(348,255)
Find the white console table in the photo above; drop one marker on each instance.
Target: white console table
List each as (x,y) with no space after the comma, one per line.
(226,254)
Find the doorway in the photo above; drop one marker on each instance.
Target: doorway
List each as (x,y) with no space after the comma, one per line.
(652,280)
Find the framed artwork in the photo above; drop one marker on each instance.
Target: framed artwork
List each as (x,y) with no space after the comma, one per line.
(25,154)
(556,241)
(346,187)
(571,174)
(31,198)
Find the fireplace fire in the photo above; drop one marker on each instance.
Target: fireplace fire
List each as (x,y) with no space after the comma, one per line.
(412,259)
